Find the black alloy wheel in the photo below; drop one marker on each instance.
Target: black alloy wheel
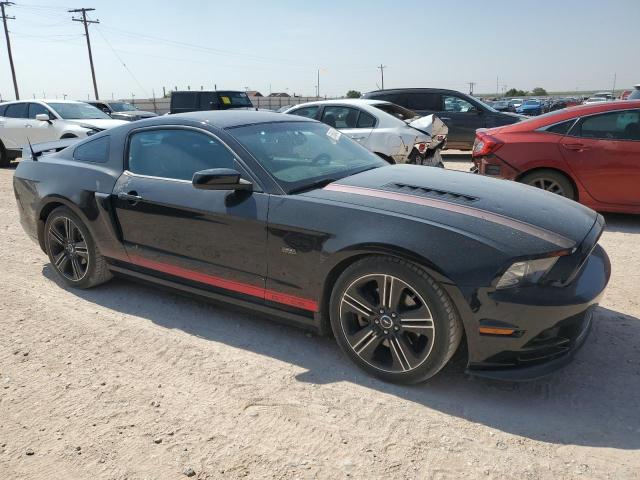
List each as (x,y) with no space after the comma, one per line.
(68,248)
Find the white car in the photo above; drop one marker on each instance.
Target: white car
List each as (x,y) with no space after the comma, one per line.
(397,134)
(592,100)
(37,121)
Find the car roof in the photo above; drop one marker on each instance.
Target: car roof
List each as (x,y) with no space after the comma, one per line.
(415,90)
(225,118)
(42,100)
(344,101)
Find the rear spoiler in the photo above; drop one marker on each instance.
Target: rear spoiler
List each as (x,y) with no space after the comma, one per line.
(32,152)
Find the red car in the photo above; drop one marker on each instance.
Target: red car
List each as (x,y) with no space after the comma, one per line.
(590,154)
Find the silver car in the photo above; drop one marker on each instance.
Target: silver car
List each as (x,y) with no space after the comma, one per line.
(393,132)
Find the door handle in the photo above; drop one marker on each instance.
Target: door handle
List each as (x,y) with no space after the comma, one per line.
(579,147)
(358,138)
(131,197)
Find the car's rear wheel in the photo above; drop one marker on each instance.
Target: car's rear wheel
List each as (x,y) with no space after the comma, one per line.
(72,251)
(551,181)
(393,320)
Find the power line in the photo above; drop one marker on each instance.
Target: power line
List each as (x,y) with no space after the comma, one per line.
(6,34)
(86,32)
(381,68)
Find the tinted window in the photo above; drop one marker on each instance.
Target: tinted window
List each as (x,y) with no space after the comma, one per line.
(207,101)
(234,99)
(452,103)
(183,100)
(635,95)
(176,153)
(16,110)
(94,151)
(2,109)
(340,117)
(623,125)
(419,101)
(561,128)
(309,112)
(36,109)
(366,121)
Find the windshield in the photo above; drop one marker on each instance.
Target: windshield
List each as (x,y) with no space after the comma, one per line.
(397,111)
(486,105)
(77,111)
(532,102)
(300,154)
(635,95)
(122,107)
(234,99)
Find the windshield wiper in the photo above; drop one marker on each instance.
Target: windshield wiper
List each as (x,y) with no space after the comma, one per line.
(312,186)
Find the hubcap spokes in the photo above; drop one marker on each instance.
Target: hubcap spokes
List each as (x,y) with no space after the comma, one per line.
(548,185)
(387,323)
(68,249)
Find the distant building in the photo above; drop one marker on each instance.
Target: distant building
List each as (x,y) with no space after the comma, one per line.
(279,94)
(254,93)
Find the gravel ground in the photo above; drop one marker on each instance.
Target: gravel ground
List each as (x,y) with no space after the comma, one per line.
(130,382)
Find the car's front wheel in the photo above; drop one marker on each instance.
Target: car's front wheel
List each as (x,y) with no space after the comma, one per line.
(393,319)
(72,250)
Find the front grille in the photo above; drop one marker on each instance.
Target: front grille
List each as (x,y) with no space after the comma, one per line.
(430,192)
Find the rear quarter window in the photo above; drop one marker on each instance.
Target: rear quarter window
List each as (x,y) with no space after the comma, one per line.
(16,110)
(184,100)
(94,151)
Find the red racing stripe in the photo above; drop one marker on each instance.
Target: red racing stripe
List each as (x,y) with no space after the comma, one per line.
(231,285)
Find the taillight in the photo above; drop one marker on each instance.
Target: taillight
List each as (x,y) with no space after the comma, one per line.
(421,147)
(485,145)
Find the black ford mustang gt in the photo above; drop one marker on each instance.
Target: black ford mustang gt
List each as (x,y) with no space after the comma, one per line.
(290,217)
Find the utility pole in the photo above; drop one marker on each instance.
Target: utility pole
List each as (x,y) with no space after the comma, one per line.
(318,85)
(471,85)
(6,34)
(86,32)
(613,90)
(381,68)
(497,86)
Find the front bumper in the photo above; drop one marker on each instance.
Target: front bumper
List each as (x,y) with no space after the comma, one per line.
(551,324)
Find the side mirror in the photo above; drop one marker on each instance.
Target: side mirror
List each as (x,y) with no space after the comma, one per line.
(43,117)
(220,179)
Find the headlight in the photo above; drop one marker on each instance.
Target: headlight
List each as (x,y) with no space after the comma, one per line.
(526,272)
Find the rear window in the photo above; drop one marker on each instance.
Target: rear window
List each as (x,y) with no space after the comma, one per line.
(95,151)
(183,100)
(309,112)
(397,111)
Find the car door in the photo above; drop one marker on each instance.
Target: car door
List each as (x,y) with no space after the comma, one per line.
(603,151)
(347,120)
(216,239)
(14,132)
(40,131)
(462,118)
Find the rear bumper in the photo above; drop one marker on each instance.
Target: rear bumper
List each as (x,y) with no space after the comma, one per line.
(550,323)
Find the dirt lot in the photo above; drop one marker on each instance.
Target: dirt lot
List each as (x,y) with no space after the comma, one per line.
(130,382)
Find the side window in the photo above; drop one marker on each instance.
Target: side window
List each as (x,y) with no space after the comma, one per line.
(96,151)
(208,101)
(622,125)
(309,112)
(36,108)
(419,101)
(183,100)
(16,110)
(456,104)
(340,117)
(561,128)
(176,153)
(2,109)
(366,121)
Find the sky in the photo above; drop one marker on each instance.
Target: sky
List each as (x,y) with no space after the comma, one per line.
(141,46)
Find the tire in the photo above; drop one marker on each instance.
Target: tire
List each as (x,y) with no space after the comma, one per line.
(551,181)
(4,157)
(384,340)
(72,251)
(68,135)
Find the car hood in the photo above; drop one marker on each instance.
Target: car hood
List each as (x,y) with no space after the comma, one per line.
(509,215)
(133,114)
(429,124)
(98,123)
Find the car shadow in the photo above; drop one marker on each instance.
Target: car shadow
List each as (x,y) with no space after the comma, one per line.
(592,402)
(622,223)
